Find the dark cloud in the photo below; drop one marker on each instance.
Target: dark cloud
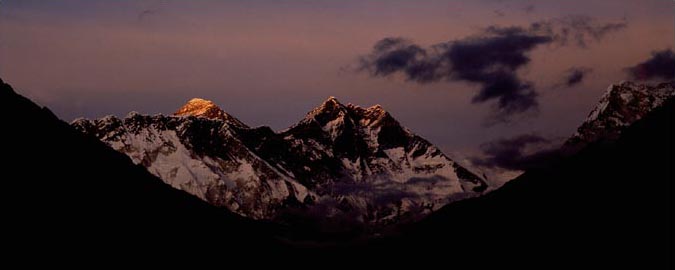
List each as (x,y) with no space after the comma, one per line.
(529,9)
(393,55)
(490,59)
(661,65)
(499,13)
(522,152)
(143,14)
(575,76)
(154,8)
(430,181)
(381,193)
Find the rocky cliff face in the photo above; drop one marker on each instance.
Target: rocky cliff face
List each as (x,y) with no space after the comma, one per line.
(342,159)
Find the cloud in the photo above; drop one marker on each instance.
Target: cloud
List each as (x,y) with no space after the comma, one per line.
(661,65)
(391,55)
(575,76)
(582,30)
(520,153)
(529,9)
(145,13)
(490,59)
(154,9)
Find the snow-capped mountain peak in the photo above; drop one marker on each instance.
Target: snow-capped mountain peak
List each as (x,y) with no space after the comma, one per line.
(371,143)
(620,106)
(331,107)
(332,99)
(199,107)
(331,114)
(634,99)
(331,103)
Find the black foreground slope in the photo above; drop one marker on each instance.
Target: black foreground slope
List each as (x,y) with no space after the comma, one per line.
(65,192)
(609,205)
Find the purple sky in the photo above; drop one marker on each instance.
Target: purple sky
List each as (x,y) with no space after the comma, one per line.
(269,62)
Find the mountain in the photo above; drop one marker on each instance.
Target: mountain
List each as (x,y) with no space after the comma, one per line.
(622,105)
(67,196)
(202,156)
(65,193)
(206,108)
(339,162)
(607,205)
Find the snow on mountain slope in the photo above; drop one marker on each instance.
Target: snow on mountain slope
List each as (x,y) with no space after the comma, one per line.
(206,108)
(370,146)
(622,105)
(344,158)
(200,156)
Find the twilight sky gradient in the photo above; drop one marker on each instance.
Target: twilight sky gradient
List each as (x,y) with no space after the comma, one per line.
(269,62)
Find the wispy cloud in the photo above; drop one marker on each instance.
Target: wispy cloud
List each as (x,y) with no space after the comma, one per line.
(520,153)
(145,13)
(574,76)
(529,8)
(661,65)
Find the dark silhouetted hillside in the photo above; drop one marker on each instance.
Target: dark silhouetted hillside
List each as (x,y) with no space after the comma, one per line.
(609,205)
(64,192)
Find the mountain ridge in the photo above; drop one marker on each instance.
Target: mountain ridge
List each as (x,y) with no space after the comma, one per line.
(330,157)
(619,107)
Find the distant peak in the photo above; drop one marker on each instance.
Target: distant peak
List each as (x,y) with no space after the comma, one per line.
(131,114)
(620,106)
(332,101)
(331,104)
(200,101)
(200,107)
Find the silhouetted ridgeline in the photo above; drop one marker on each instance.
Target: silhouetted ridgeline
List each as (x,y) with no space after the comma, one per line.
(609,205)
